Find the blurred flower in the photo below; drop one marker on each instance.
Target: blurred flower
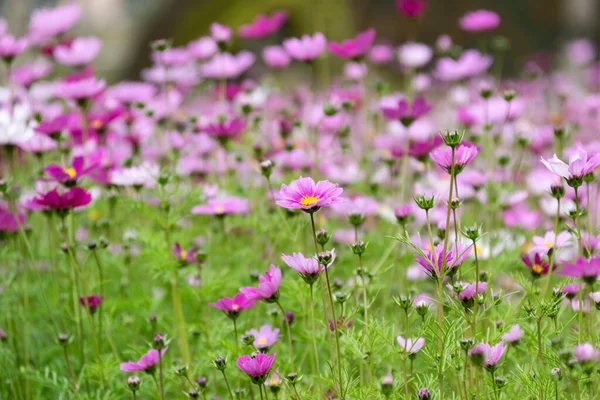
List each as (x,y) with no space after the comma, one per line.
(414,55)
(227,66)
(469,64)
(411,8)
(353,48)
(80,51)
(514,335)
(306,48)
(263,25)
(276,57)
(411,346)
(146,363)
(220,207)
(479,21)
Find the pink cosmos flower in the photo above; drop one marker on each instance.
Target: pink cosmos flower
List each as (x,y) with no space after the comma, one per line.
(306,48)
(172,56)
(514,335)
(186,256)
(263,25)
(222,207)
(26,75)
(80,51)
(91,302)
(406,113)
(491,354)
(10,222)
(305,194)
(411,346)
(479,21)
(80,90)
(402,212)
(38,144)
(432,262)
(68,175)
(411,8)
(62,202)
(10,47)
(264,338)
(268,286)
(48,22)
(468,290)
(233,306)
(256,367)
(128,92)
(381,54)
(224,128)
(537,266)
(544,244)
(276,57)
(54,126)
(220,33)
(203,48)
(587,269)
(414,55)
(578,166)
(469,64)
(463,154)
(585,352)
(308,268)
(146,363)
(570,290)
(227,66)
(353,48)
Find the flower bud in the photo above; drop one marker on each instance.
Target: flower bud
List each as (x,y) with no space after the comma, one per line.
(133,383)
(499,382)
(220,363)
(293,378)
(466,344)
(356,219)
(63,338)
(323,236)
(486,93)
(161,45)
(557,191)
(387,385)
(182,370)
(424,394)
(192,394)
(404,302)
(453,138)
(92,245)
(340,297)
(509,95)
(556,374)
(424,202)
(158,341)
(329,110)
(422,308)
(202,382)
(359,247)
(266,168)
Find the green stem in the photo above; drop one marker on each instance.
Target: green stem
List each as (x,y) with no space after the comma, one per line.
(227,384)
(235,338)
(181,331)
(314,332)
(160,375)
(101,278)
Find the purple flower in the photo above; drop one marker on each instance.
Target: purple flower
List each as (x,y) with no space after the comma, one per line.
(172,56)
(185,256)
(353,48)
(224,128)
(10,222)
(227,66)
(587,269)
(545,244)
(308,268)
(381,54)
(514,335)
(578,166)
(264,338)
(256,367)
(91,302)
(305,194)
(585,352)
(537,266)
(402,213)
(146,363)
(570,290)
(80,90)
(479,21)
(411,8)
(411,346)
(62,202)
(423,394)
(406,113)
(80,51)
(306,48)
(469,64)
(221,207)
(463,154)
(232,306)
(68,175)
(263,25)
(268,286)
(432,262)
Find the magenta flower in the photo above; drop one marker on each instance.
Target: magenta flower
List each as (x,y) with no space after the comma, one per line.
(10,47)
(489,355)
(305,194)
(570,290)
(479,21)
(232,306)
(224,128)
(514,335)
(406,113)
(9,222)
(268,286)
(353,48)
(587,269)
(463,154)
(91,302)
(185,256)
(256,367)
(48,22)
(537,266)
(469,64)
(579,165)
(456,254)
(411,8)
(467,290)
(54,126)
(68,175)
(222,207)
(308,268)
(80,90)
(402,213)
(80,51)
(263,25)
(227,66)
(585,352)
(306,48)
(264,338)
(411,346)
(62,202)
(26,75)
(146,363)
(276,57)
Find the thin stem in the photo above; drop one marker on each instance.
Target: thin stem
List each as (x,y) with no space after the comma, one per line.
(553,257)
(580,330)
(289,334)
(160,375)
(578,219)
(235,338)
(539,337)
(260,390)
(70,368)
(476,286)
(314,332)
(227,384)
(181,331)
(101,278)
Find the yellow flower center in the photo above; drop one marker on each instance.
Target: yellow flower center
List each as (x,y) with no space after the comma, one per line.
(262,340)
(96,124)
(70,171)
(537,268)
(219,209)
(235,307)
(94,215)
(548,244)
(308,200)
(183,254)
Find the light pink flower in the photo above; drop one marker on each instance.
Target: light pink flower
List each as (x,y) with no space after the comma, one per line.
(411,346)
(146,363)
(226,65)
(276,57)
(80,51)
(479,21)
(306,48)
(469,64)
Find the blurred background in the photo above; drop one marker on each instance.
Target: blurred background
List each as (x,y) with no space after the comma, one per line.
(128,26)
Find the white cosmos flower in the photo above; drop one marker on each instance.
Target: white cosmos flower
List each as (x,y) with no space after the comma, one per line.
(16,127)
